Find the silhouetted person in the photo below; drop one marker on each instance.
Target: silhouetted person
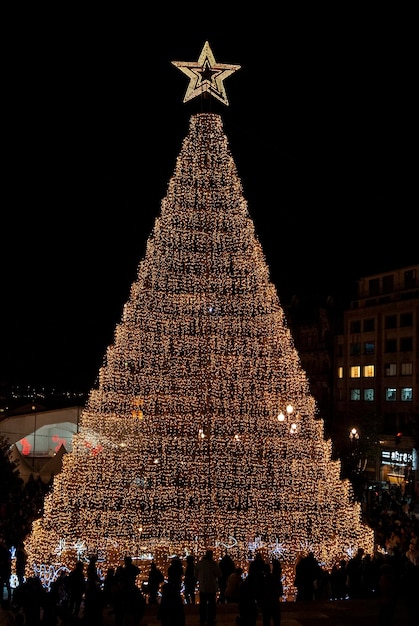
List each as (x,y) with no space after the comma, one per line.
(257,569)
(387,594)
(306,572)
(92,573)
(93,601)
(59,596)
(76,588)
(208,574)
(234,582)
(272,591)
(227,567)
(410,579)
(109,588)
(171,611)
(338,581)
(189,580)
(130,603)
(248,600)
(175,572)
(31,597)
(20,562)
(155,579)
(354,570)
(5,569)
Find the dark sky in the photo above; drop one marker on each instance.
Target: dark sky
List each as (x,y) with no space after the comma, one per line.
(322,125)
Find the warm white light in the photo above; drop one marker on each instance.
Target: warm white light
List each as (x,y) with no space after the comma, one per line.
(202,340)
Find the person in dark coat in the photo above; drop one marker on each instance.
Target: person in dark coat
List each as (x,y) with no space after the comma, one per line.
(306,572)
(76,587)
(189,580)
(227,567)
(271,593)
(155,579)
(171,610)
(175,572)
(5,569)
(248,600)
(129,601)
(20,562)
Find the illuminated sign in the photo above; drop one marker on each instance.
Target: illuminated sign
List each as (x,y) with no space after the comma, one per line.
(395,457)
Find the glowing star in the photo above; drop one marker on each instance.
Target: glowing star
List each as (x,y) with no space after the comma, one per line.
(206,75)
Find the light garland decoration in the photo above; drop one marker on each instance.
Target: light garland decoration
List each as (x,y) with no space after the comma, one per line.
(202,430)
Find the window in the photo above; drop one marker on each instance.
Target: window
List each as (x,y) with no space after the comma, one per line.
(369,395)
(388,282)
(391,345)
(369,371)
(406,319)
(406,369)
(355,327)
(374,286)
(390,369)
(355,349)
(410,279)
(355,371)
(369,325)
(391,394)
(369,347)
(340,350)
(340,372)
(390,321)
(355,394)
(406,394)
(406,344)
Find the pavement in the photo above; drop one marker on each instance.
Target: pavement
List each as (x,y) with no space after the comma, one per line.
(316,613)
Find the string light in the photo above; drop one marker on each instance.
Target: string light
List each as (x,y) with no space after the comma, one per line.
(202,430)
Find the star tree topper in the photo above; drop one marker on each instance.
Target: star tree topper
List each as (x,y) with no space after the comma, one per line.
(206,75)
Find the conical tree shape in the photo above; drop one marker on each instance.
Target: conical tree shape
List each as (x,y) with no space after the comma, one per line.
(202,430)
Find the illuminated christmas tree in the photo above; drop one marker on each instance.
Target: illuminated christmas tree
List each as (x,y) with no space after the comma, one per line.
(202,430)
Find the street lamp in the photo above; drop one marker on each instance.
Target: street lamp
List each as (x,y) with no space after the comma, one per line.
(353,434)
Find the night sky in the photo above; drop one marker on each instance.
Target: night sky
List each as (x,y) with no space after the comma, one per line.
(322,125)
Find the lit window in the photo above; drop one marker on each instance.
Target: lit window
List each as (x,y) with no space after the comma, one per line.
(368,395)
(390,369)
(406,369)
(391,394)
(369,371)
(355,394)
(369,347)
(355,371)
(340,372)
(406,394)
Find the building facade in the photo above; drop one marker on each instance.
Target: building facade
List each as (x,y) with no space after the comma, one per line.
(376,372)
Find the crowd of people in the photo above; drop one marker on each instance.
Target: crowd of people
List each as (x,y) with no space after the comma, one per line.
(82,596)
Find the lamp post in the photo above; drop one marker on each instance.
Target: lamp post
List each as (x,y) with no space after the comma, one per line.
(358,463)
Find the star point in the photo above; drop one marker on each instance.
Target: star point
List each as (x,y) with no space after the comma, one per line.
(206,75)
